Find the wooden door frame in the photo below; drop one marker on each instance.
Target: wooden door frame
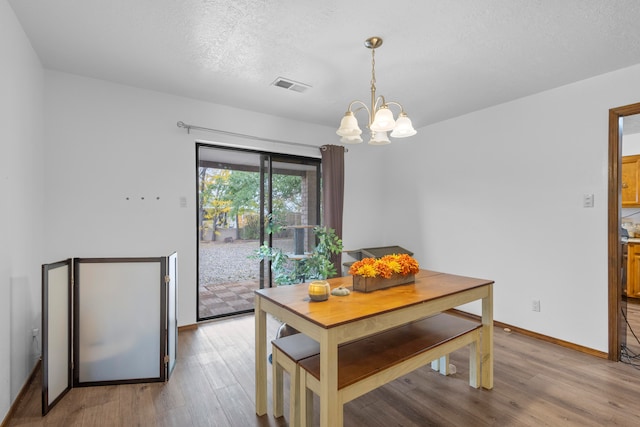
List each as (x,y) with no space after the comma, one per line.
(614,209)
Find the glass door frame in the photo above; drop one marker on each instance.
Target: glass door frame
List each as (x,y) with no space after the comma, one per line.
(266,171)
(266,208)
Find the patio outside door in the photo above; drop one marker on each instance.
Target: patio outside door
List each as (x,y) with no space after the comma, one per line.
(241,194)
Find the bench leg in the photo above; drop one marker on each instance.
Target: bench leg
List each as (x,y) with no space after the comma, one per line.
(441,365)
(306,403)
(280,363)
(474,362)
(294,396)
(277,379)
(305,400)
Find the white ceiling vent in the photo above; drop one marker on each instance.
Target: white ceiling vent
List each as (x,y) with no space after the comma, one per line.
(290,85)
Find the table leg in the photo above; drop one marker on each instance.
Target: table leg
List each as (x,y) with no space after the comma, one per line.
(487,340)
(261,358)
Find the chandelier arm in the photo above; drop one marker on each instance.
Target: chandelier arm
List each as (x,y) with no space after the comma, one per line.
(397,104)
(362,106)
(379,102)
(357,101)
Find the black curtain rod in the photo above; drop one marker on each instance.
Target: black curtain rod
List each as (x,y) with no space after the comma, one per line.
(242,135)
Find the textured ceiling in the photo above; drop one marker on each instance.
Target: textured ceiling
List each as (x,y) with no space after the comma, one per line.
(440,59)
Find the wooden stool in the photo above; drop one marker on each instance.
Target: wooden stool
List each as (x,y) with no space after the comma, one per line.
(286,353)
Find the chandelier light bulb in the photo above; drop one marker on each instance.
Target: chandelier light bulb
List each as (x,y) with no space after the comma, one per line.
(403,128)
(351,139)
(383,121)
(349,126)
(379,138)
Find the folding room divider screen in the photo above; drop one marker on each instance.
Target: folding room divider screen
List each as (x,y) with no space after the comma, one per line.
(107,321)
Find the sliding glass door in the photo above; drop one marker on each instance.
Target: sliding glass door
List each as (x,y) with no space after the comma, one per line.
(249,202)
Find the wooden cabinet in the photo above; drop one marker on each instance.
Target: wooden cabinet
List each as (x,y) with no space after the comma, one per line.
(630,184)
(633,270)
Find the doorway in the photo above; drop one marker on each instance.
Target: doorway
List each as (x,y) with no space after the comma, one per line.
(616,247)
(247,200)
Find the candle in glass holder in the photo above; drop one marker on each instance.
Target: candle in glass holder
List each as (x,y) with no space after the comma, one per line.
(319,290)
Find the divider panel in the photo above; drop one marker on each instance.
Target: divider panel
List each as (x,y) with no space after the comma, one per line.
(172,318)
(118,320)
(56,333)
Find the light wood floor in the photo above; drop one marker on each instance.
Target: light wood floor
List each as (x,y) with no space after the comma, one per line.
(536,383)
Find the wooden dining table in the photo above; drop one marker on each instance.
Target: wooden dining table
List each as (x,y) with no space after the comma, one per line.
(342,319)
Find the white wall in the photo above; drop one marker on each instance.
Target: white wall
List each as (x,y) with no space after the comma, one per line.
(365,222)
(498,194)
(22,207)
(107,142)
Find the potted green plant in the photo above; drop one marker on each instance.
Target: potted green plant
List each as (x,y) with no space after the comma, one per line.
(316,266)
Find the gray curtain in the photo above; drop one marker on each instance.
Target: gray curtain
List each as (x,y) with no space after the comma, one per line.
(333,192)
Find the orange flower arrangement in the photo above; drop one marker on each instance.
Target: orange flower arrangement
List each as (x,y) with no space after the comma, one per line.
(384,267)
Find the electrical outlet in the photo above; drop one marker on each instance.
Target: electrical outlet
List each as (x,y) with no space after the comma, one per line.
(34,332)
(535,305)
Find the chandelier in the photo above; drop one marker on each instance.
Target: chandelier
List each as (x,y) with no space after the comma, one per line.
(380,117)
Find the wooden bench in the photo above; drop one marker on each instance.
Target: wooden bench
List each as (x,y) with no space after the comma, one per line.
(286,353)
(371,362)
